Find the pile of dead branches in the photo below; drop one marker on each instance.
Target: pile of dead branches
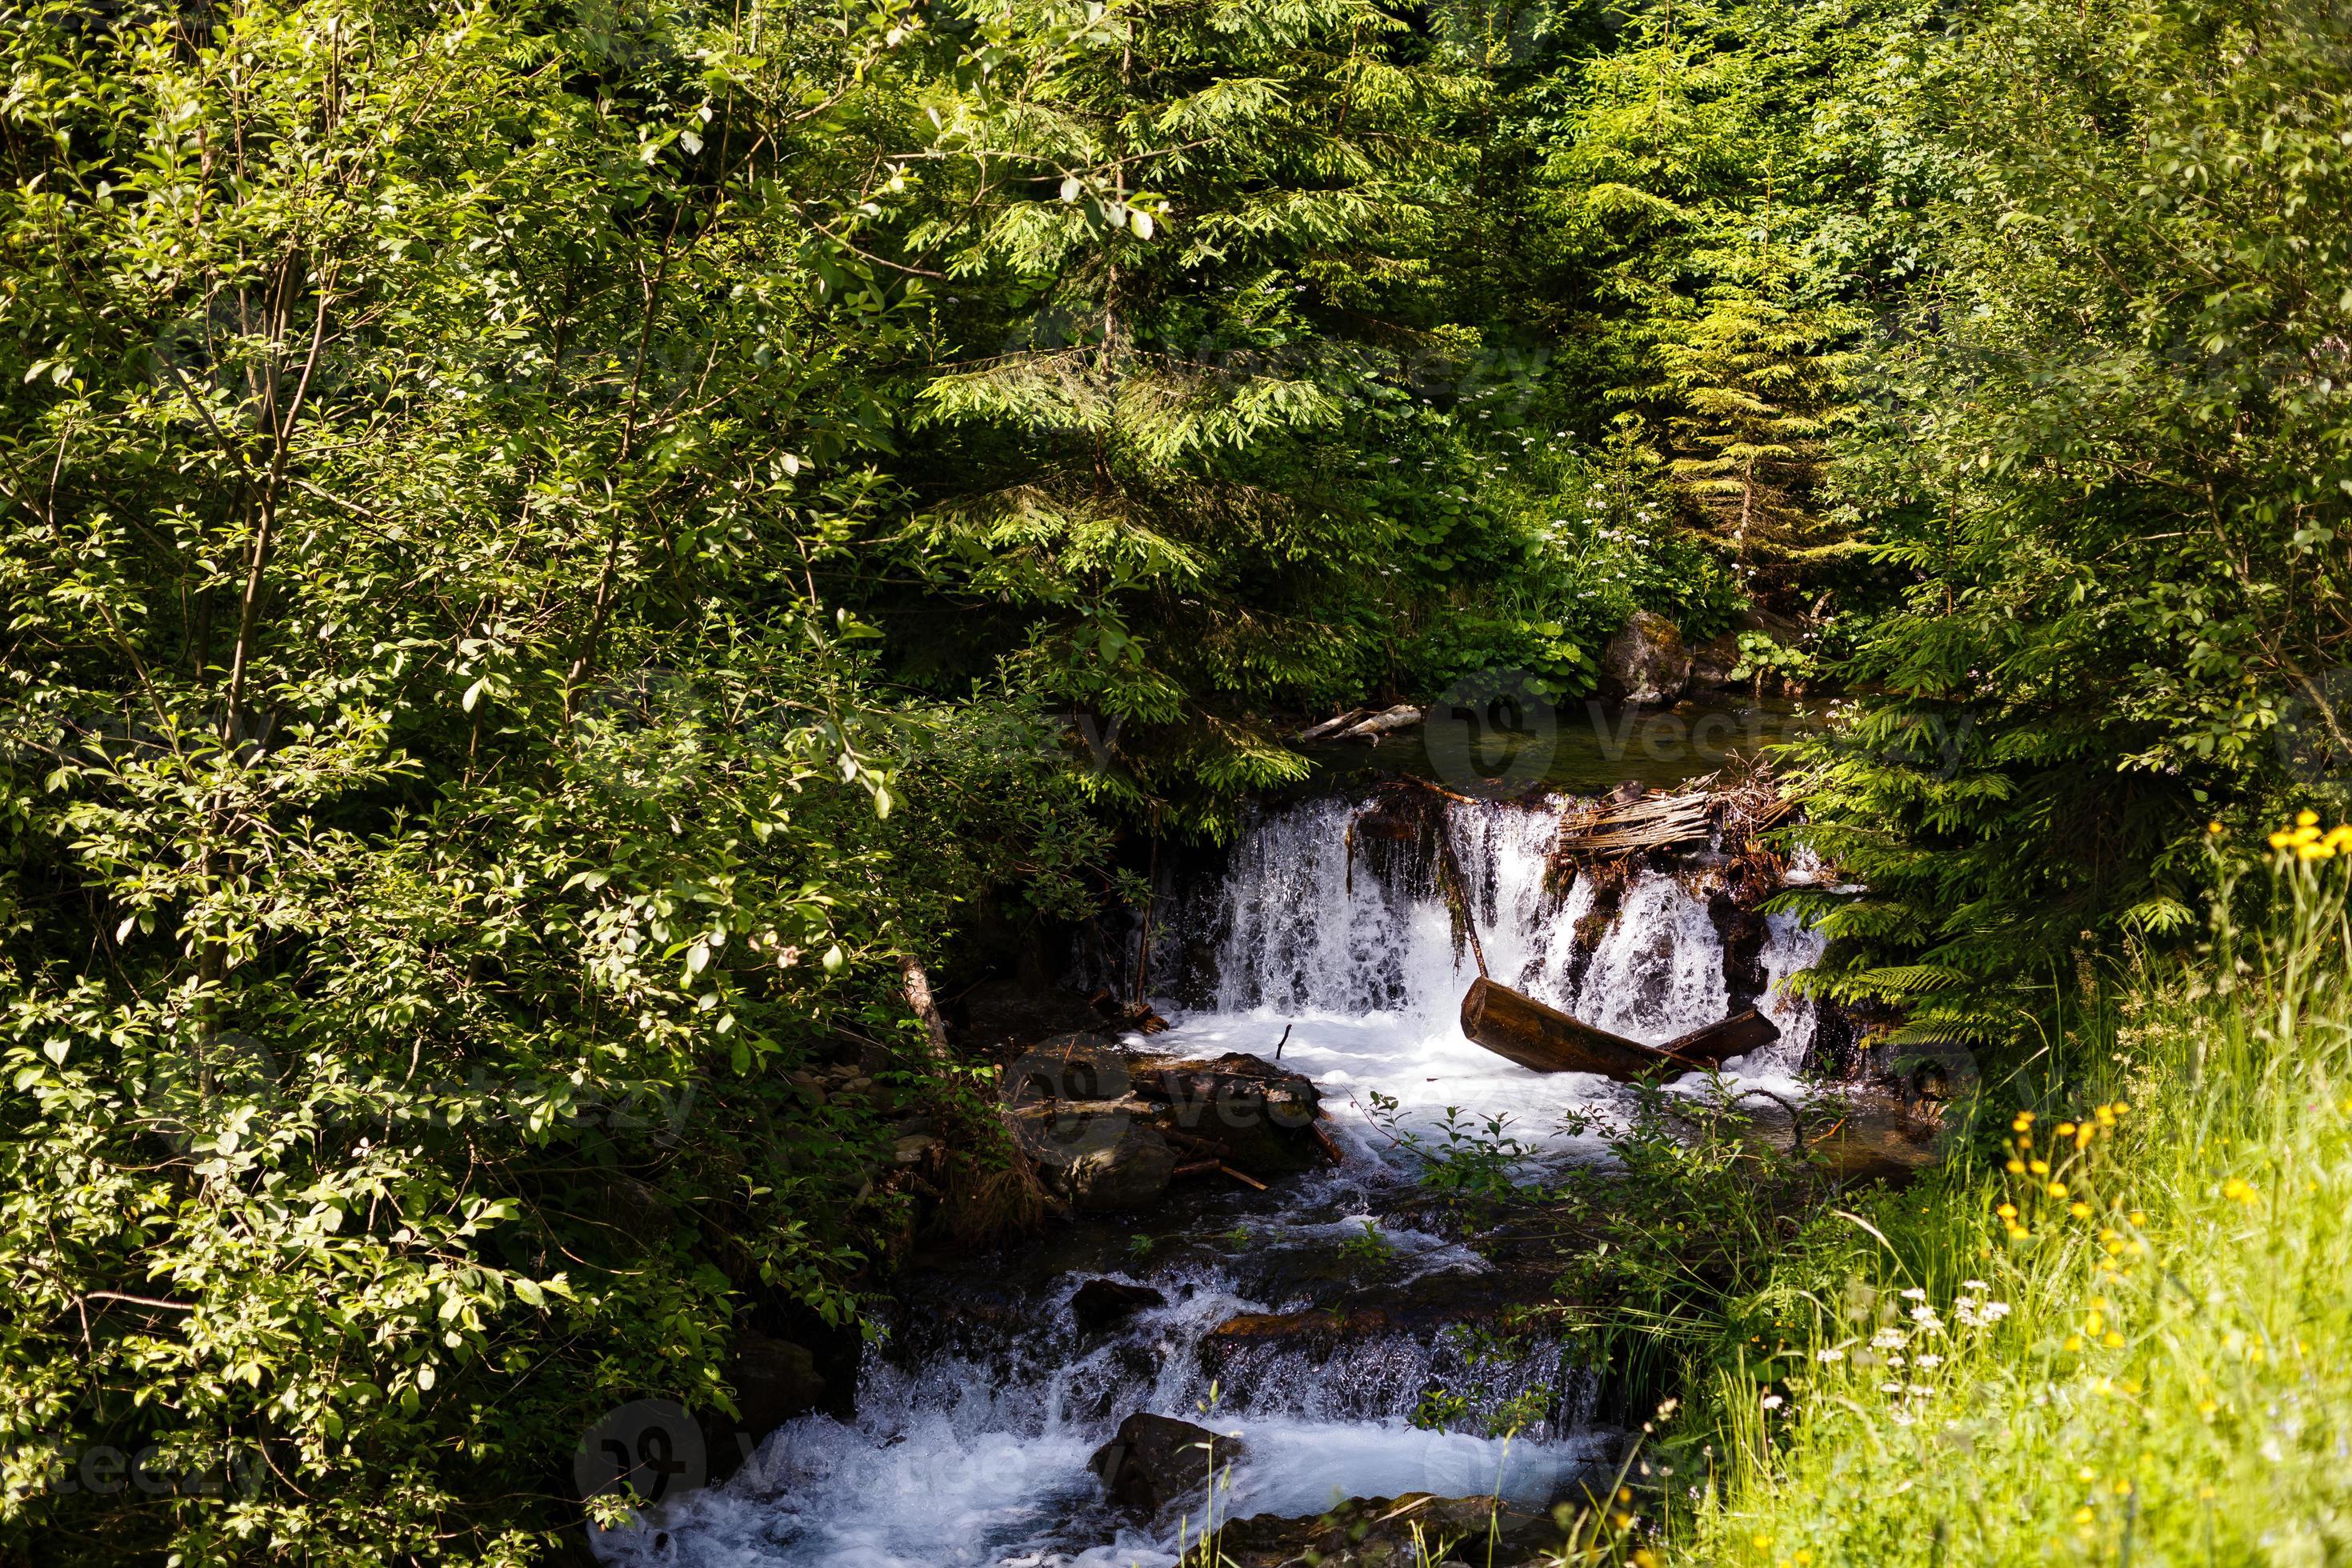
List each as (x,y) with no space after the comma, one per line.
(1728,811)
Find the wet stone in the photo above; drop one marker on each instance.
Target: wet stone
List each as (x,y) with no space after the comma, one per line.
(1157,1459)
(1101,1303)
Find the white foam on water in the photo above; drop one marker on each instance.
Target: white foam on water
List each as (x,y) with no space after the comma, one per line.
(981,1462)
(1369,986)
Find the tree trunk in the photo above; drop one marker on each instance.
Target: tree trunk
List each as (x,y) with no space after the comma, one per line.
(1548,1040)
(918,987)
(1736,1036)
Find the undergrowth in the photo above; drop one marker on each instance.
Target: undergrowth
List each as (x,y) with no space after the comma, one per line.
(2122,1336)
(2115,1327)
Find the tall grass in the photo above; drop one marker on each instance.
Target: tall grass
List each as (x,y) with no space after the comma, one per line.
(2127,1336)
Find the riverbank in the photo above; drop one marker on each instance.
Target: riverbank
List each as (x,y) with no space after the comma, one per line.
(2119,1330)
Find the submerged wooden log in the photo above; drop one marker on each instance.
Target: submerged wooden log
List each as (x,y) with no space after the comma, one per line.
(1548,1040)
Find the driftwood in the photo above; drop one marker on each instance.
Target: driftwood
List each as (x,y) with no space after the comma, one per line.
(1403,716)
(1737,810)
(1333,725)
(1328,1144)
(1548,1040)
(1651,822)
(1361,724)
(916,986)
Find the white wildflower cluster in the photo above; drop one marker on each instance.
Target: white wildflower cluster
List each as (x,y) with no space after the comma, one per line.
(1974,1308)
(1898,1343)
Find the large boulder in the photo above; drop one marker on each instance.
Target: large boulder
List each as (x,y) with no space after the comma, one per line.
(1240,1109)
(1157,1459)
(1068,1105)
(1645,662)
(1109,1128)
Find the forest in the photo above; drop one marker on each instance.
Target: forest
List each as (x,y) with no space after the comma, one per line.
(570,567)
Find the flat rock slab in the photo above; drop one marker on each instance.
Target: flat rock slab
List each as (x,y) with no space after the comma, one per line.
(1405,1532)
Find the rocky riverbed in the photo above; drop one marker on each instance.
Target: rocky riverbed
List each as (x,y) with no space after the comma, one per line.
(1249,1251)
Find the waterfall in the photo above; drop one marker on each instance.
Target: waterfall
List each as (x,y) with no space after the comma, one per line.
(1363,971)
(974,1426)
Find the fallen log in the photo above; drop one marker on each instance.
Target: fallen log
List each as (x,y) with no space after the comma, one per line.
(1331,726)
(1736,1036)
(1548,1040)
(1403,716)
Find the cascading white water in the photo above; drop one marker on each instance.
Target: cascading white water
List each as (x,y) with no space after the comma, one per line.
(974,1456)
(1369,986)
